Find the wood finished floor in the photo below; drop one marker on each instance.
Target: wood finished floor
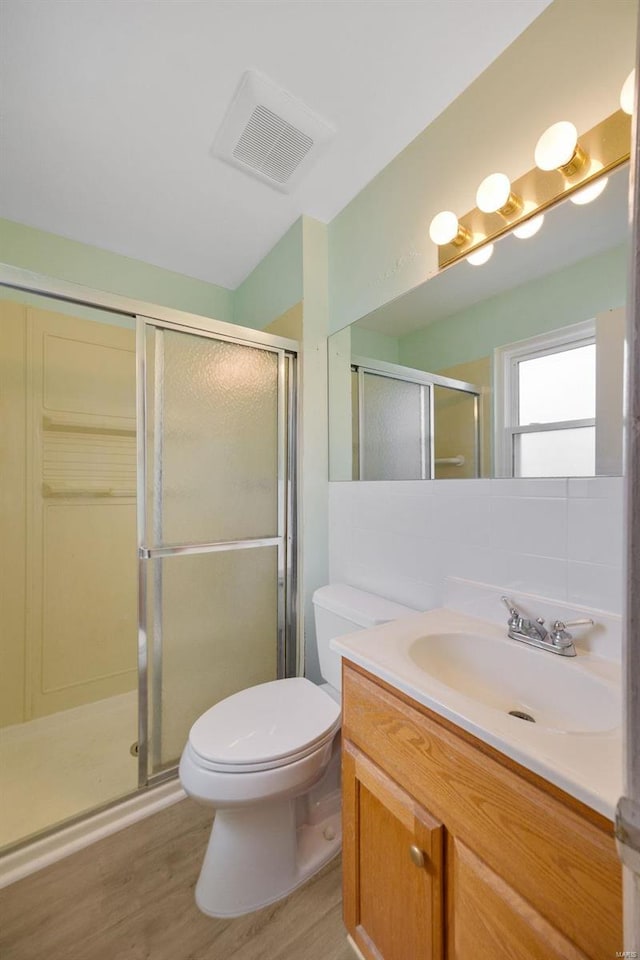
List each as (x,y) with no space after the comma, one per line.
(130,897)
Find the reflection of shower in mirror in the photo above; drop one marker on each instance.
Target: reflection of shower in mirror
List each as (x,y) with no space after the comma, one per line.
(532,308)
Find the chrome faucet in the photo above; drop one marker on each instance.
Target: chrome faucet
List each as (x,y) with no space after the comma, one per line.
(557,640)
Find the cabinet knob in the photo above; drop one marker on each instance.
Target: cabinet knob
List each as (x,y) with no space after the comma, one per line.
(417,855)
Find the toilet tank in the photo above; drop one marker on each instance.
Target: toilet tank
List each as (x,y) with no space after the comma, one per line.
(340,609)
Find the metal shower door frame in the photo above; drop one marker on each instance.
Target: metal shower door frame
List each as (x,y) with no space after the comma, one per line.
(427,382)
(284,540)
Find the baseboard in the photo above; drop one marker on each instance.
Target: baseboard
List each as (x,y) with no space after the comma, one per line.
(355,949)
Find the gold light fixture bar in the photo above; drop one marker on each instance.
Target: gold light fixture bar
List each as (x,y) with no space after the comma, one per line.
(607,145)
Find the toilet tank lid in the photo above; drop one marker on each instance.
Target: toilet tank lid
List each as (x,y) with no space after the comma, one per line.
(358,606)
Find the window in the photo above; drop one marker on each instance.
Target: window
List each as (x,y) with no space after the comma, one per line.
(546,405)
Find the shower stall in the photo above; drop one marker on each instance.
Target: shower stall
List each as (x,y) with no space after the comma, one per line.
(148,492)
(412,425)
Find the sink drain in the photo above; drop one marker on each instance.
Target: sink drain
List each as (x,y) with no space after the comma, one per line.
(521,715)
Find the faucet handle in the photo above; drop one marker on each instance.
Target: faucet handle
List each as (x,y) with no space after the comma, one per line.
(514,614)
(511,607)
(559,635)
(563,624)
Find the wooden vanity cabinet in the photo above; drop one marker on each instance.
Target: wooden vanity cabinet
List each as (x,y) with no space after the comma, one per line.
(452,851)
(392,863)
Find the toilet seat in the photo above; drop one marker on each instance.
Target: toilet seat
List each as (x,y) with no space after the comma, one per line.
(264,727)
(240,768)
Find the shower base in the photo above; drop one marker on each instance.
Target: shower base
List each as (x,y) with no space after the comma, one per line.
(66,763)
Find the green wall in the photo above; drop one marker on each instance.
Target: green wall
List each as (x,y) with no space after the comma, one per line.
(568,296)
(378,346)
(275,285)
(269,290)
(63,259)
(379,246)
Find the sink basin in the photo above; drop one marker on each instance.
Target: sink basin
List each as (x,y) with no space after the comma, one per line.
(552,691)
(469,672)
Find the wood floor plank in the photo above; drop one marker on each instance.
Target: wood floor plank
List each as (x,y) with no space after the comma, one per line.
(274,930)
(325,940)
(66,903)
(131,897)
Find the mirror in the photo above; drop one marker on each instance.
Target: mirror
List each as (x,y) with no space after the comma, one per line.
(509,369)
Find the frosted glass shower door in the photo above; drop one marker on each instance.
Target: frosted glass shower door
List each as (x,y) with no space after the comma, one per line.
(213,528)
(393,428)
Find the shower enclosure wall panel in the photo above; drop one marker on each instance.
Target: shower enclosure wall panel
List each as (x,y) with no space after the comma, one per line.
(68,614)
(13,511)
(456,434)
(82,470)
(68,490)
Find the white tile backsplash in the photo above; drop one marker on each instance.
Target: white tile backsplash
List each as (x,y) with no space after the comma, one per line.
(595,585)
(595,530)
(417,594)
(533,525)
(519,572)
(557,539)
(534,487)
(464,519)
(610,488)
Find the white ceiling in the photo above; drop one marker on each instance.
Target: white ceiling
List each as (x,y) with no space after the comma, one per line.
(111,106)
(569,233)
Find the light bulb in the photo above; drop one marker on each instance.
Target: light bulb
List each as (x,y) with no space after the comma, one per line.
(628,93)
(493,192)
(558,149)
(445,228)
(529,228)
(478,257)
(592,192)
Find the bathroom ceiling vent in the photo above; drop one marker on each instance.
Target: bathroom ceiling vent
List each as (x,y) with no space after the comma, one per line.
(270,134)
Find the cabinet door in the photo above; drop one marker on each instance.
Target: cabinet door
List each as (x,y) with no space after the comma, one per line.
(489,920)
(392,854)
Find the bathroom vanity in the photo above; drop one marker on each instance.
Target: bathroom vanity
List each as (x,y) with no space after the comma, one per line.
(453,848)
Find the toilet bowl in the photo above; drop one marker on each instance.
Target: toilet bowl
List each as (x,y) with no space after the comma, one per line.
(268,760)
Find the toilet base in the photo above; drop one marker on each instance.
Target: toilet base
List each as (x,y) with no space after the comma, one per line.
(257,856)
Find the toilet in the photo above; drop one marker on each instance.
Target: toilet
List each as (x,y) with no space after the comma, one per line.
(268,760)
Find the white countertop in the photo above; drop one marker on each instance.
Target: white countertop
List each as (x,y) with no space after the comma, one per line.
(586,764)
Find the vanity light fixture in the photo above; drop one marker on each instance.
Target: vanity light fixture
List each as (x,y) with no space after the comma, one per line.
(446,228)
(628,93)
(481,255)
(592,192)
(564,169)
(529,228)
(558,149)
(494,195)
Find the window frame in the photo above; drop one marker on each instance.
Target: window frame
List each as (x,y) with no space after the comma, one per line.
(506,399)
